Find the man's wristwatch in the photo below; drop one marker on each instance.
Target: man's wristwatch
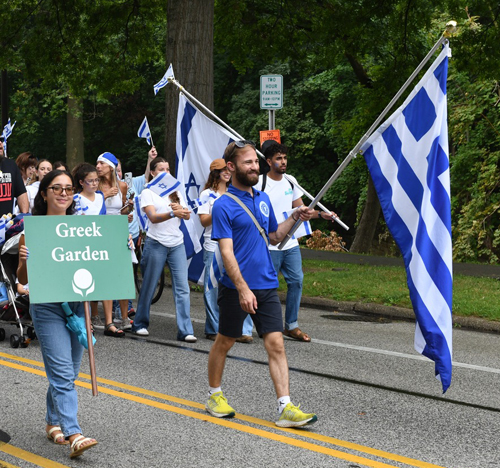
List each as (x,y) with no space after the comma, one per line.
(172,214)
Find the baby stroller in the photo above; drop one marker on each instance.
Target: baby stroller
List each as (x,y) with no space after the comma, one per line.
(13,310)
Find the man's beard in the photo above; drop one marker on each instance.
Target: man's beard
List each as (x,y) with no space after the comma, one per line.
(246,179)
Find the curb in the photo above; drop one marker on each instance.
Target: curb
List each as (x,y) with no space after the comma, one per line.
(399,313)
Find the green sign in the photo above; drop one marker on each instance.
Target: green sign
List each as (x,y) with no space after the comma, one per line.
(78,258)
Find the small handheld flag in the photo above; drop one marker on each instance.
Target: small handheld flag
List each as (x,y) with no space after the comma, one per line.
(164,81)
(7,132)
(144,131)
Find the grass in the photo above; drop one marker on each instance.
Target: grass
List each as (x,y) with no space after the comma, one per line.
(472,296)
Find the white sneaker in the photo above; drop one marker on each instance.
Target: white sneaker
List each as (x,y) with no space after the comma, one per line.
(190,339)
(142,332)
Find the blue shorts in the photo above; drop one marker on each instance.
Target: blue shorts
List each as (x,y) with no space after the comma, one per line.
(267,319)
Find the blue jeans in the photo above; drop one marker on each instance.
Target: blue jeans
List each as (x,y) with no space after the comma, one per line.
(154,257)
(210,300)
(62,354)
(289,262)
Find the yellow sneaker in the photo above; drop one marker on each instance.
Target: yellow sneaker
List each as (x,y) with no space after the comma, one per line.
(217,406)
(292,416)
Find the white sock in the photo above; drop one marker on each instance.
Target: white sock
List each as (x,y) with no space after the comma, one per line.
(282,402)
(212,390)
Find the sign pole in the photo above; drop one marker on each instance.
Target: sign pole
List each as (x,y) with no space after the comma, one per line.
(272,123)
(93,377)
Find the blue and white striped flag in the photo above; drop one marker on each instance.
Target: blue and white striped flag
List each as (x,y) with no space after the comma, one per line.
(164,184)
(216,270)
(303,230)
(142,217)
(409,164)
(196,203)
(144,131)
(164,81)
(199,141)
(6,133)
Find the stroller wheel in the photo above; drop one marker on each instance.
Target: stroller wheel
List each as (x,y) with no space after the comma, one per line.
(14,341)
(31,333)
(24,341)
(2,334)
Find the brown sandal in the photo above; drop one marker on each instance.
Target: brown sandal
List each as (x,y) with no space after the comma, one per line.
(297,334)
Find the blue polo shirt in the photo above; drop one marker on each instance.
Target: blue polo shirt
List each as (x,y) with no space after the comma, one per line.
(230,221)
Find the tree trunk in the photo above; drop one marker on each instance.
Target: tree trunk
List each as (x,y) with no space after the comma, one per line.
(368,223)
(190,40)
(4,100)
(74,133)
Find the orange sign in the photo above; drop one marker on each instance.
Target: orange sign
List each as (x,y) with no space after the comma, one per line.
(269,135)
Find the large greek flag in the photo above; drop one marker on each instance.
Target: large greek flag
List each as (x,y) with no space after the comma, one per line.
(199,141)
(408,162)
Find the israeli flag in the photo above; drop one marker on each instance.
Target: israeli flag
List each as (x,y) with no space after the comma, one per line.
(303,230)
(141,216)
(216,271)
(205,199)
(199,141)
(409,164)
(6,133)
(7,130)
(164,81)
(164,184)
(144,131)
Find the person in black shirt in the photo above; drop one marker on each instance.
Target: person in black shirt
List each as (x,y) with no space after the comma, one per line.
(11,185)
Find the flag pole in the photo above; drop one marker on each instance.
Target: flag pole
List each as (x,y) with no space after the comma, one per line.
(450,28)
(238,136)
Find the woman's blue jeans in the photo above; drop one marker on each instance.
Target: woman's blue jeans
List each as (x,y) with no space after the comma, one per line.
(154,257)
(62,354)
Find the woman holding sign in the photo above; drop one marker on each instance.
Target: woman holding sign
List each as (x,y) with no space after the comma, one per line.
(61,350)
(164,244)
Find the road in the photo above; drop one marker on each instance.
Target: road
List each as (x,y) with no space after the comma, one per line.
(377,401)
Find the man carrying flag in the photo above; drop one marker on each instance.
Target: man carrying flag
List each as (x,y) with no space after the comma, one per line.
(244,223)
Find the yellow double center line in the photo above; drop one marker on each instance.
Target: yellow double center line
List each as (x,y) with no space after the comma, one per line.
(276,435)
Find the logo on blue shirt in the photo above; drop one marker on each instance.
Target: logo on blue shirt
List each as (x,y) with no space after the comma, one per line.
(264,209)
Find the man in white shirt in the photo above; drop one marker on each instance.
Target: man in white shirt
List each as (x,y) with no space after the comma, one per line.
(285,196)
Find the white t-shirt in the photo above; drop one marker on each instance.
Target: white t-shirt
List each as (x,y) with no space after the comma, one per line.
(282,196)
(208,244)
(32,190)
(167,232)
(114,203)
(84,206)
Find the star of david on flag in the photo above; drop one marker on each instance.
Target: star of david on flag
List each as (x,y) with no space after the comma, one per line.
(199,141)
(409,165)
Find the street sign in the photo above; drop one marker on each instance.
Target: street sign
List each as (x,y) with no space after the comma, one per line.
(269,135)
(78,258)
(271,92)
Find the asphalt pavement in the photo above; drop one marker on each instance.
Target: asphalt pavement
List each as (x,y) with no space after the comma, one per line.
(377,400)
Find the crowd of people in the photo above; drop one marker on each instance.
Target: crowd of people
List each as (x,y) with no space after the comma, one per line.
(243,216)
